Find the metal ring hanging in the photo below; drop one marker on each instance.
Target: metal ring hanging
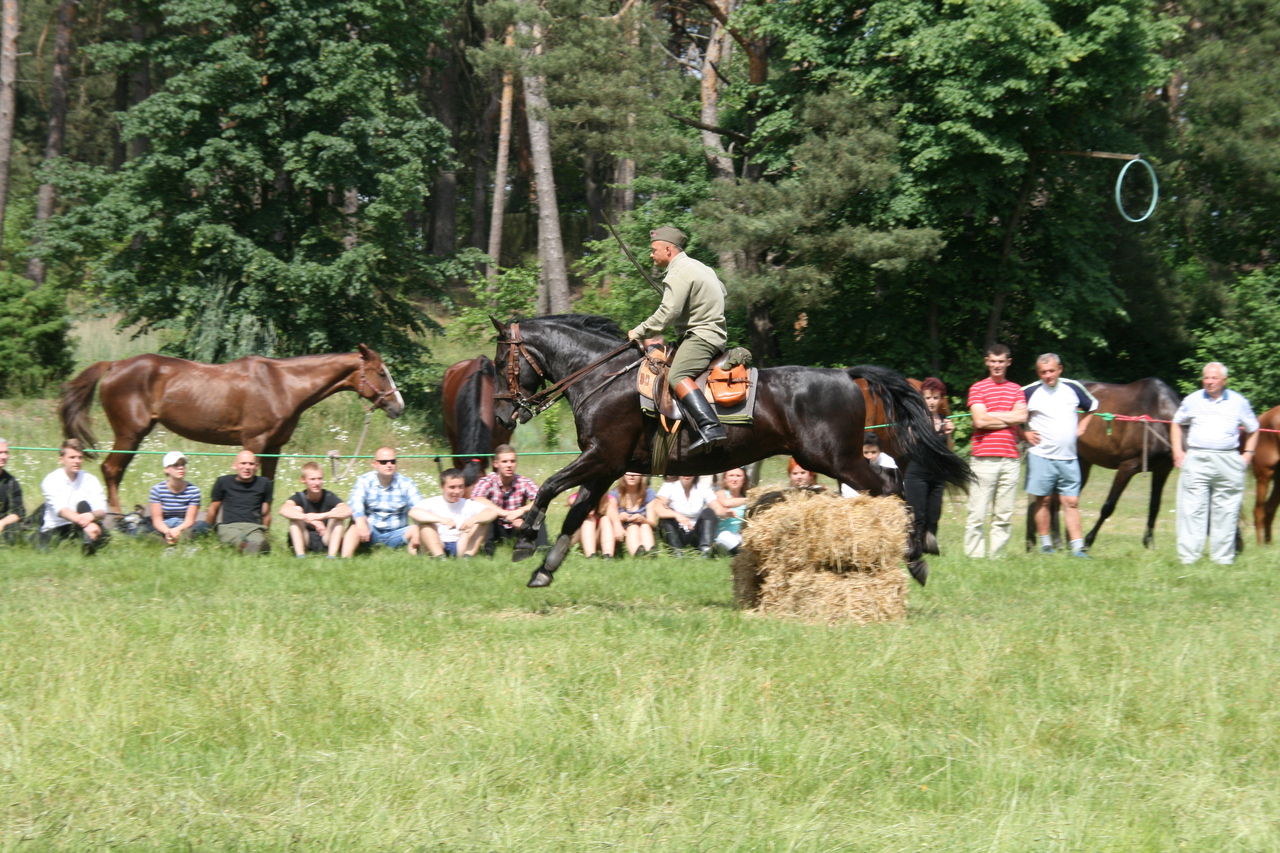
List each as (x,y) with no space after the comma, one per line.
(1155,191)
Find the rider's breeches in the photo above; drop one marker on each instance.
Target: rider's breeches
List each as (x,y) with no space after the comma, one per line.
(691,359)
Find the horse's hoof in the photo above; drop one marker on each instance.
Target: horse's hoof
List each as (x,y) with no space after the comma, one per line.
(931,544)
(521,551)
(540,578)
(919,570)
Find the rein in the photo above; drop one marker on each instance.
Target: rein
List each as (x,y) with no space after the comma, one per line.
(536,404)
(340,473)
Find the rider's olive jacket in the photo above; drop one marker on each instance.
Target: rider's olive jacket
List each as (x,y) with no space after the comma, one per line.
(692,300)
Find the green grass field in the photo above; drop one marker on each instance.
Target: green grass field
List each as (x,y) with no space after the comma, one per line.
(155,700)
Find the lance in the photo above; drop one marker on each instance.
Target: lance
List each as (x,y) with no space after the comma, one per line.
(630,256)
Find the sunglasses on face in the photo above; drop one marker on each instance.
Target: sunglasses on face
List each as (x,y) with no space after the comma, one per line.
(386,461)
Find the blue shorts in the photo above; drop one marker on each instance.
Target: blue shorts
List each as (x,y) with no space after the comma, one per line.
(450,548)
(392,537)
(1046,476)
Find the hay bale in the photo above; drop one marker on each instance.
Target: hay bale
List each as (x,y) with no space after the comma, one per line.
(823,557)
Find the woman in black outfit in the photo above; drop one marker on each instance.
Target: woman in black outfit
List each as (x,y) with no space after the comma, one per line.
(924,495)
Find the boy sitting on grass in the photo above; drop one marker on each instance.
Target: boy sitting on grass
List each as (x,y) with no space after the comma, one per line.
(450,524)
(316,515)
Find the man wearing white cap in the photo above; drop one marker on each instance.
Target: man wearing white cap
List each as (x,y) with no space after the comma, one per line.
(173,504)
(693,301)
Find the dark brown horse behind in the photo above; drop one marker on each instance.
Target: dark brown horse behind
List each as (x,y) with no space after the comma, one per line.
(1266,461)
(252,402)
(467,393)
(1128,447)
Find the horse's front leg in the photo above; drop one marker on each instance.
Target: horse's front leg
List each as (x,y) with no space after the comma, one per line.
(580,470)
(588,497)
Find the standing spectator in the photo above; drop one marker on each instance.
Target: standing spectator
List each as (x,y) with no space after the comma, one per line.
(997,406)
(74,503)
(380,504)
(730,506)
(685,515)
(173,503)
(1052,465)
(240,506)
(11,508)
(1211,486)
(924,494)
(451,524)
(633,501)
(316,515)
(511,494)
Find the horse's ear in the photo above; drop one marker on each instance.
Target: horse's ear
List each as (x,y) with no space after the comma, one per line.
(365,351)
(499,325)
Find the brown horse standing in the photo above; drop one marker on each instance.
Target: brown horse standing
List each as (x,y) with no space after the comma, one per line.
(252,402)
(1266,460)
(469,425)
(1123,448)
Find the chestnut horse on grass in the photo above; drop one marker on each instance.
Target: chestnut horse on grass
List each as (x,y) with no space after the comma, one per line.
(251,402)
(816,415)
(467,397)
(1266,460)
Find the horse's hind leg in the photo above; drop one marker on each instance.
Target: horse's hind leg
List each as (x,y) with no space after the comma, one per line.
(1159,476)
(1273,503)
(588,497)
(113,467)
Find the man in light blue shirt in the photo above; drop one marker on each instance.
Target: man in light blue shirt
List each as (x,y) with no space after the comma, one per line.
(1211,487)
(380,504)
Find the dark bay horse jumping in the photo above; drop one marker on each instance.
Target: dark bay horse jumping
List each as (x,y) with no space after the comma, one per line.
(251,402)
(815,415)
(1124,446)
(1266,460)
(469,425)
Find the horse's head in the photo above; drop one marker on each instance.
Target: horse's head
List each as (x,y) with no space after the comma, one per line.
(375,384)
(517,378)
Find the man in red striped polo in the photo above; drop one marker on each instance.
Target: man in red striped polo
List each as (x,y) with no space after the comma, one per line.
(998,407)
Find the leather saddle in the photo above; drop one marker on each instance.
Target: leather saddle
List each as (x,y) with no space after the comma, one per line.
(726,382)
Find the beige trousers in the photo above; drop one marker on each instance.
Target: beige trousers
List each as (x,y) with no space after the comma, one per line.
(995,490)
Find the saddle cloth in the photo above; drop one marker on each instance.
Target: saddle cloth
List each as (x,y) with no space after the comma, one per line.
(656,399)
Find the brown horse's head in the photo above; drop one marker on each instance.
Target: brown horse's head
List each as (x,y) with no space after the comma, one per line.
(375,384)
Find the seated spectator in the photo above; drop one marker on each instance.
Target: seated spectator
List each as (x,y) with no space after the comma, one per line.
(686,517)
(729,506)
(316,516)
(882,464)
(240,506)
(11,508)
(601,529)
(380,504)
(74,503)
(451,524)
(633,504)
(803,479)
(509,493)
(173,503)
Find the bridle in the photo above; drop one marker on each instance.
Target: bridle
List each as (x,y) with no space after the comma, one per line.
(532,405)
(378,394)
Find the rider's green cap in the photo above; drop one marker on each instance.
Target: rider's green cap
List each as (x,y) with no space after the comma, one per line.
(667,234)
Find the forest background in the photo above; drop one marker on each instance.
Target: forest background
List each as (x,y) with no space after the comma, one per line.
(875,182)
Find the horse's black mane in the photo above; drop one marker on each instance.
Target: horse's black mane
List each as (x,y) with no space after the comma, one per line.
(585,323)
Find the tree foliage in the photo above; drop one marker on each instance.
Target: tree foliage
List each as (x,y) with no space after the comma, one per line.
(1246,338)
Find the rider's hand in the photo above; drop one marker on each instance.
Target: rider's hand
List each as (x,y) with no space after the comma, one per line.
(632,336)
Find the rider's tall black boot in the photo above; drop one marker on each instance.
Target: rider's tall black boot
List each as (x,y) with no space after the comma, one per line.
(700,416)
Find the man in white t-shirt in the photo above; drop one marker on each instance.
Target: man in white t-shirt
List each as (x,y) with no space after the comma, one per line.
(685,515)
(1053,427)
(450,524)
(74,503)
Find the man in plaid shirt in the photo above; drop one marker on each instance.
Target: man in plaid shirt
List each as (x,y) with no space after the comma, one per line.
(509,493)
(380,504)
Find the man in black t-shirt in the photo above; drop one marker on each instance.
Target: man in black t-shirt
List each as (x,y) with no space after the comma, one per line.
(244,499)
(11,509)
(316,515)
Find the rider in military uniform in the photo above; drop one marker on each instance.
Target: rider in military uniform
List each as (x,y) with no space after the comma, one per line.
(693,300)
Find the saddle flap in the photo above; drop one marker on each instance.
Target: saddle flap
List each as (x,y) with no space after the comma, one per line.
(651,382)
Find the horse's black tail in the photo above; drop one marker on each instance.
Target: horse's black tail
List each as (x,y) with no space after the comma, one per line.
(77,397)
(913,425)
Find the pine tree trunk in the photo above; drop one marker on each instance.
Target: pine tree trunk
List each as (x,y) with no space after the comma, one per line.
(555,276)
(715,56)
(444,194)
(500,172)
(480,173)
(8,77)
(57,122)
(140,86)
